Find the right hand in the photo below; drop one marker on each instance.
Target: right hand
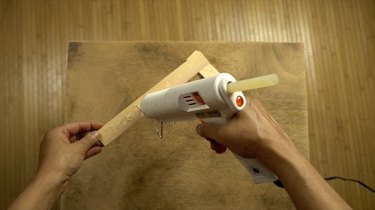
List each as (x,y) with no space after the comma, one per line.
(252,133)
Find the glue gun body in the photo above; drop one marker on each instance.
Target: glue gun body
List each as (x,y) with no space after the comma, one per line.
(207,100)
(204,99)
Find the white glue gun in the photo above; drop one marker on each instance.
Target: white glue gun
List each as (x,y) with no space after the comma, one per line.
(215,99)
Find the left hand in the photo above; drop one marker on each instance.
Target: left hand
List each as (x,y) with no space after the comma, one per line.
(64,148)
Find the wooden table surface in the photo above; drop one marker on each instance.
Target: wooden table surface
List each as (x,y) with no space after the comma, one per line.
(138,170)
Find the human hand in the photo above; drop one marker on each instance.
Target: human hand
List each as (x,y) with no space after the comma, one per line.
(62,152)
(252,133)
(64,148)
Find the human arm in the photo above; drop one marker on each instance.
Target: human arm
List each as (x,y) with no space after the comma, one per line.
(61,154)
(253,133)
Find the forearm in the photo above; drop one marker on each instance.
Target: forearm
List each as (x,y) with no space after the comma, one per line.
(305,186)
(41,193)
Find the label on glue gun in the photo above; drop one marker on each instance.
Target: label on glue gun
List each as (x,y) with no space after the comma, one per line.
(259,172)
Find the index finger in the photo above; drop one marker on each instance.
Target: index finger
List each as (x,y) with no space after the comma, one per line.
(79,127)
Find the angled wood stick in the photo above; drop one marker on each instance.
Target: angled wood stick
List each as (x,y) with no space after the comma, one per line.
(195,63)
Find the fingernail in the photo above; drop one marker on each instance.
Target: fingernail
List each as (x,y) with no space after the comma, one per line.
(95,135)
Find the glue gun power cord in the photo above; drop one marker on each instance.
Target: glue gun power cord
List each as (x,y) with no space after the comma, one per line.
(280,184)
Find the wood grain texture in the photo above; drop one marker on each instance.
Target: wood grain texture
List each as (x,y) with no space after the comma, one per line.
(180,171)
(338,36)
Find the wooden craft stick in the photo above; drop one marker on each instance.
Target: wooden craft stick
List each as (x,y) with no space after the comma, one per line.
(208,71)
(195,63)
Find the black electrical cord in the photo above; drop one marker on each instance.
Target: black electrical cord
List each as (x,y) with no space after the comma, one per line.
(350,180)
(279,184)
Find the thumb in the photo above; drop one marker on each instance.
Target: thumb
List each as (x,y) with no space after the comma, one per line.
(209,130)
(89,140)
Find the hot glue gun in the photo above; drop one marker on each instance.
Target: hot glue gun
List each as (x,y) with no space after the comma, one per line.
(214,99)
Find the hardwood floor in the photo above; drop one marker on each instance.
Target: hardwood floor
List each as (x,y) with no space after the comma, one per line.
(339,39)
